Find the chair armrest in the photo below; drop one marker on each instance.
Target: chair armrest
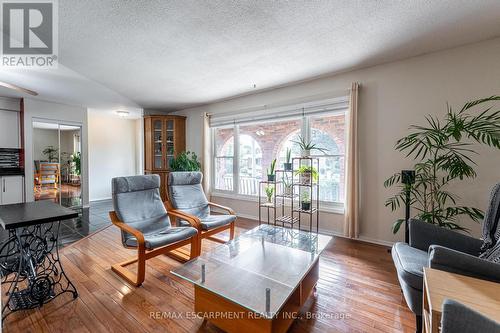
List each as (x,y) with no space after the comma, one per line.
(127,228)
(453,261)
(191,219)
(227,209)
(423,235)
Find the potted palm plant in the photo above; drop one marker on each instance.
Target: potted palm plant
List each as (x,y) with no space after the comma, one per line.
(51,153)
(271,174)
(442,151)
(305,201)
(269,193)
(305,174)
(308,146)
(288,164)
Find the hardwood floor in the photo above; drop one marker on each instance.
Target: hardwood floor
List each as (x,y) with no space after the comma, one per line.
(357,292)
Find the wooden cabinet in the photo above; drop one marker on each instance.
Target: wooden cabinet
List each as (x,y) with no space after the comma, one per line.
(164,138)
(11,190)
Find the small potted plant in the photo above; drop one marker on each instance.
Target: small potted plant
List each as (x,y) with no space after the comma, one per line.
(287,186)
(51,153)
(271,175)
(305,174)
(305,201)
(185,161)
(269,193)
(288,164)
(308,146)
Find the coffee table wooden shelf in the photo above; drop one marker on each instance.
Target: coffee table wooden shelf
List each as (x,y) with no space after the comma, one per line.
(479,295)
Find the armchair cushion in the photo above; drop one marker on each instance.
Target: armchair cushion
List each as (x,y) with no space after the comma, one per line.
(137,202)
(457,317)
(453,261)
(161,237)
(423,235)
(214,221)
(186,193)
(410,263)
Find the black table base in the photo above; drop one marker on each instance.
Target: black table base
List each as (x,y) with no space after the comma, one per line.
(30,267)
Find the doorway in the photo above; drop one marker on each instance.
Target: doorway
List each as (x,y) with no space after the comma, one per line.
(57,163)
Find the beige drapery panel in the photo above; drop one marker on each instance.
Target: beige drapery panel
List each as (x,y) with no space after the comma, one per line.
(351,215)
(205,158)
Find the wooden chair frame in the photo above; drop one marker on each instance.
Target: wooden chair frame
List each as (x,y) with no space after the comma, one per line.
(143,254)
(196,222)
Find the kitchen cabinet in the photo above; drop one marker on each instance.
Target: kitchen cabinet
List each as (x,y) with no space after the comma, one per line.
(11,189)
(9,129)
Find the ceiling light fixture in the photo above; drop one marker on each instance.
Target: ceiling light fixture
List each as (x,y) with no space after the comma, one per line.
(122,113)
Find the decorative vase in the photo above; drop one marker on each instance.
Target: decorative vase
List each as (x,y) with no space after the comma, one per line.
(271,178)
(305,205)
(287,166)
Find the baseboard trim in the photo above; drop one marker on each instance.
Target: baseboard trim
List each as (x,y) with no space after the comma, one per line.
(331,233)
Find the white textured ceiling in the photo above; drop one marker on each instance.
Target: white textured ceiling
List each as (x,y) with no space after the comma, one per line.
(175,54)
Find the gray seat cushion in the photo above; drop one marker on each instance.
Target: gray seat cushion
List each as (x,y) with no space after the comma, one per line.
(186,193)
(457,317)
(409,263)
(137,202)
(163,237)
(214,221)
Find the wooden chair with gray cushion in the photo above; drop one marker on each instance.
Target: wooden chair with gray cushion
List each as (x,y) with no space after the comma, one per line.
(447,250)
(186,197)
(145,224)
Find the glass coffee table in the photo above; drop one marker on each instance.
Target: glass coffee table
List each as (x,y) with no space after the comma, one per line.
(259,281)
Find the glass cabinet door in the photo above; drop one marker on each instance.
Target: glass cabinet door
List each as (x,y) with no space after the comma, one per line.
(169,140)
(158,145)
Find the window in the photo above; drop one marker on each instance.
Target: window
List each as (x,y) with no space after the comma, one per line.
(224,156)
(259,145)
(328,132)
(244,152)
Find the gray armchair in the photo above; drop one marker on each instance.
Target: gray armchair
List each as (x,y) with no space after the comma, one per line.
(186,198)
(457,317)
(436,247)
(145,224)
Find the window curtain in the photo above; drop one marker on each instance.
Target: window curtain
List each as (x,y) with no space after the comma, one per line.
(205,158)
(351,215)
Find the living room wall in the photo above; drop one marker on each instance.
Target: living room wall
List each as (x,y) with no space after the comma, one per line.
(392,97)
(115,150)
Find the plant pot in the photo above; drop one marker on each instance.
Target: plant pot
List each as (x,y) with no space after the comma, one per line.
(270,201)
(305,205)
(288,190)
(271,178)
(287,166)
(306,152)
(305,177)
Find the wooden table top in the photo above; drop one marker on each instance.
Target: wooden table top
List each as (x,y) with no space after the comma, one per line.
(480,295)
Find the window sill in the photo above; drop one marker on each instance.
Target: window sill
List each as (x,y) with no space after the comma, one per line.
(333,208)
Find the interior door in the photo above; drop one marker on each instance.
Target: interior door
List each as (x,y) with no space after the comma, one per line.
(57,163)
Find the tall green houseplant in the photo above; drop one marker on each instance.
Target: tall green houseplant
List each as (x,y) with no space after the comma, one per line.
(443,152)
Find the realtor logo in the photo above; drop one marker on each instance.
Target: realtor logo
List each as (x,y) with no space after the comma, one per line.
(29,36)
